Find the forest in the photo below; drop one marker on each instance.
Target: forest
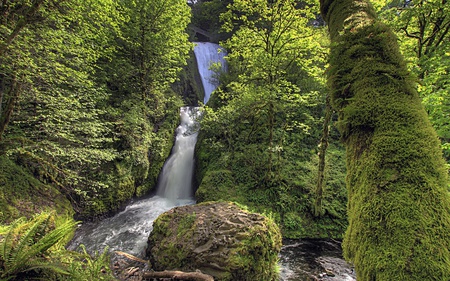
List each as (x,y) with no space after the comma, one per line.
(332,119)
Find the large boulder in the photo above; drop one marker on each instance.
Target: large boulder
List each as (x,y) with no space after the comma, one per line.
(217,238)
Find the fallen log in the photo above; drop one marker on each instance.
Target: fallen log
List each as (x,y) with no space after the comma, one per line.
(178,275)
(131,257)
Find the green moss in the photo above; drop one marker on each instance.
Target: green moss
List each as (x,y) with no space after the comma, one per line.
(21,195)
(185,225)
(242,245)
(215,185)
(256,258)
(399,210)
(290,199)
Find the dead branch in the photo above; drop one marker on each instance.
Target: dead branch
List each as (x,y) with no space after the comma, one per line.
(178,275)
(131,257)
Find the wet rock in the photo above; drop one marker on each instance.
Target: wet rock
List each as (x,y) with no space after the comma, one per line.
(217,238)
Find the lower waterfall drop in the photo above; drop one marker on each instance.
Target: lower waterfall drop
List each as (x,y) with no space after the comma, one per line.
(175,180)
(128,230)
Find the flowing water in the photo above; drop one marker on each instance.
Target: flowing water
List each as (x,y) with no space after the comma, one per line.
(313,259)
(206,55)
(127,231)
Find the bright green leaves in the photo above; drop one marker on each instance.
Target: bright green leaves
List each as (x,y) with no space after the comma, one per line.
(94,80)
(271,39)
(263,122)
(155,35)
(59,117)
(24,245)
(424,31)
(152,48)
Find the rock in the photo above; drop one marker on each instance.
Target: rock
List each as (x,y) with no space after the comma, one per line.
(217,238)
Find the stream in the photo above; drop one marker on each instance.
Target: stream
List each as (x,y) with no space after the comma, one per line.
(128,230)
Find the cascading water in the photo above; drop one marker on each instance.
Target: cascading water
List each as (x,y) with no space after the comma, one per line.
(128,231)
(175,181)
(206,54)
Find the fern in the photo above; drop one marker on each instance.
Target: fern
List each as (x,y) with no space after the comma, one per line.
(24,246)
(96,266)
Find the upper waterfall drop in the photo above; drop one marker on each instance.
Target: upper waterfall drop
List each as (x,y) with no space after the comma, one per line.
(206,54)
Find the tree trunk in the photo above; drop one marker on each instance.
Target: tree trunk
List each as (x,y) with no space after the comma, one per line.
(399,206)
(178,275)
(322,153)
(5,115)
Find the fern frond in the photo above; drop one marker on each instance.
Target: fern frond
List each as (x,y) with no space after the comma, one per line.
(43,244)
(25,244)
(55,267)
(7,243)
(26,239)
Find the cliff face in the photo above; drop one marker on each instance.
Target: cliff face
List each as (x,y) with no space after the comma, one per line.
(217,238)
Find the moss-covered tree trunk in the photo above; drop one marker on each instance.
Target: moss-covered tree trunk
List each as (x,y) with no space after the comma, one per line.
(399,206)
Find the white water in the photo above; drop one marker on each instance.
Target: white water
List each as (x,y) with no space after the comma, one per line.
(128,230)
(175,180)
(206,54)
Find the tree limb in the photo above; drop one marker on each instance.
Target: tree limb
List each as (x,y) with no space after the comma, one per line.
(178,275)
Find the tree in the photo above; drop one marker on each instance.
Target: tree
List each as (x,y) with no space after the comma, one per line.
(152,48)
(399,206)
(424,31)
(260,129)
(58,130)
(277,63)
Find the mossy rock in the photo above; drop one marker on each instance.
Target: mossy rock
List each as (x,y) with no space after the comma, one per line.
(217,238)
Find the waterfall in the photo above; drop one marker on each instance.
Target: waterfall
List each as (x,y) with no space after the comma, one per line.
(207,54)
(128,230)
(175,180)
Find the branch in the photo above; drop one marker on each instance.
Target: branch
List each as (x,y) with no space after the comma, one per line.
(179,275)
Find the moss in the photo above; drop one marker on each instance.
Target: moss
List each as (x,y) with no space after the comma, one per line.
(186,224)
(399,210)
(215,184)
(256,258)
(218,238)
(21,195)
(289,201)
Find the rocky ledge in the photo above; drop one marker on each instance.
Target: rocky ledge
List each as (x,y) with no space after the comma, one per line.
(218,238)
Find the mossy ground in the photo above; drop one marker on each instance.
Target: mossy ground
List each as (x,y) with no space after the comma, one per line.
(22,195)
(229,176)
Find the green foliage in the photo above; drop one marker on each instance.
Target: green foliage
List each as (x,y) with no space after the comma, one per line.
(58,131)
(399,208)
(89,82)
(206,15)
(260,128)
(23,195)
(34,249)
(81,265)
(424,31)
(24,245)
